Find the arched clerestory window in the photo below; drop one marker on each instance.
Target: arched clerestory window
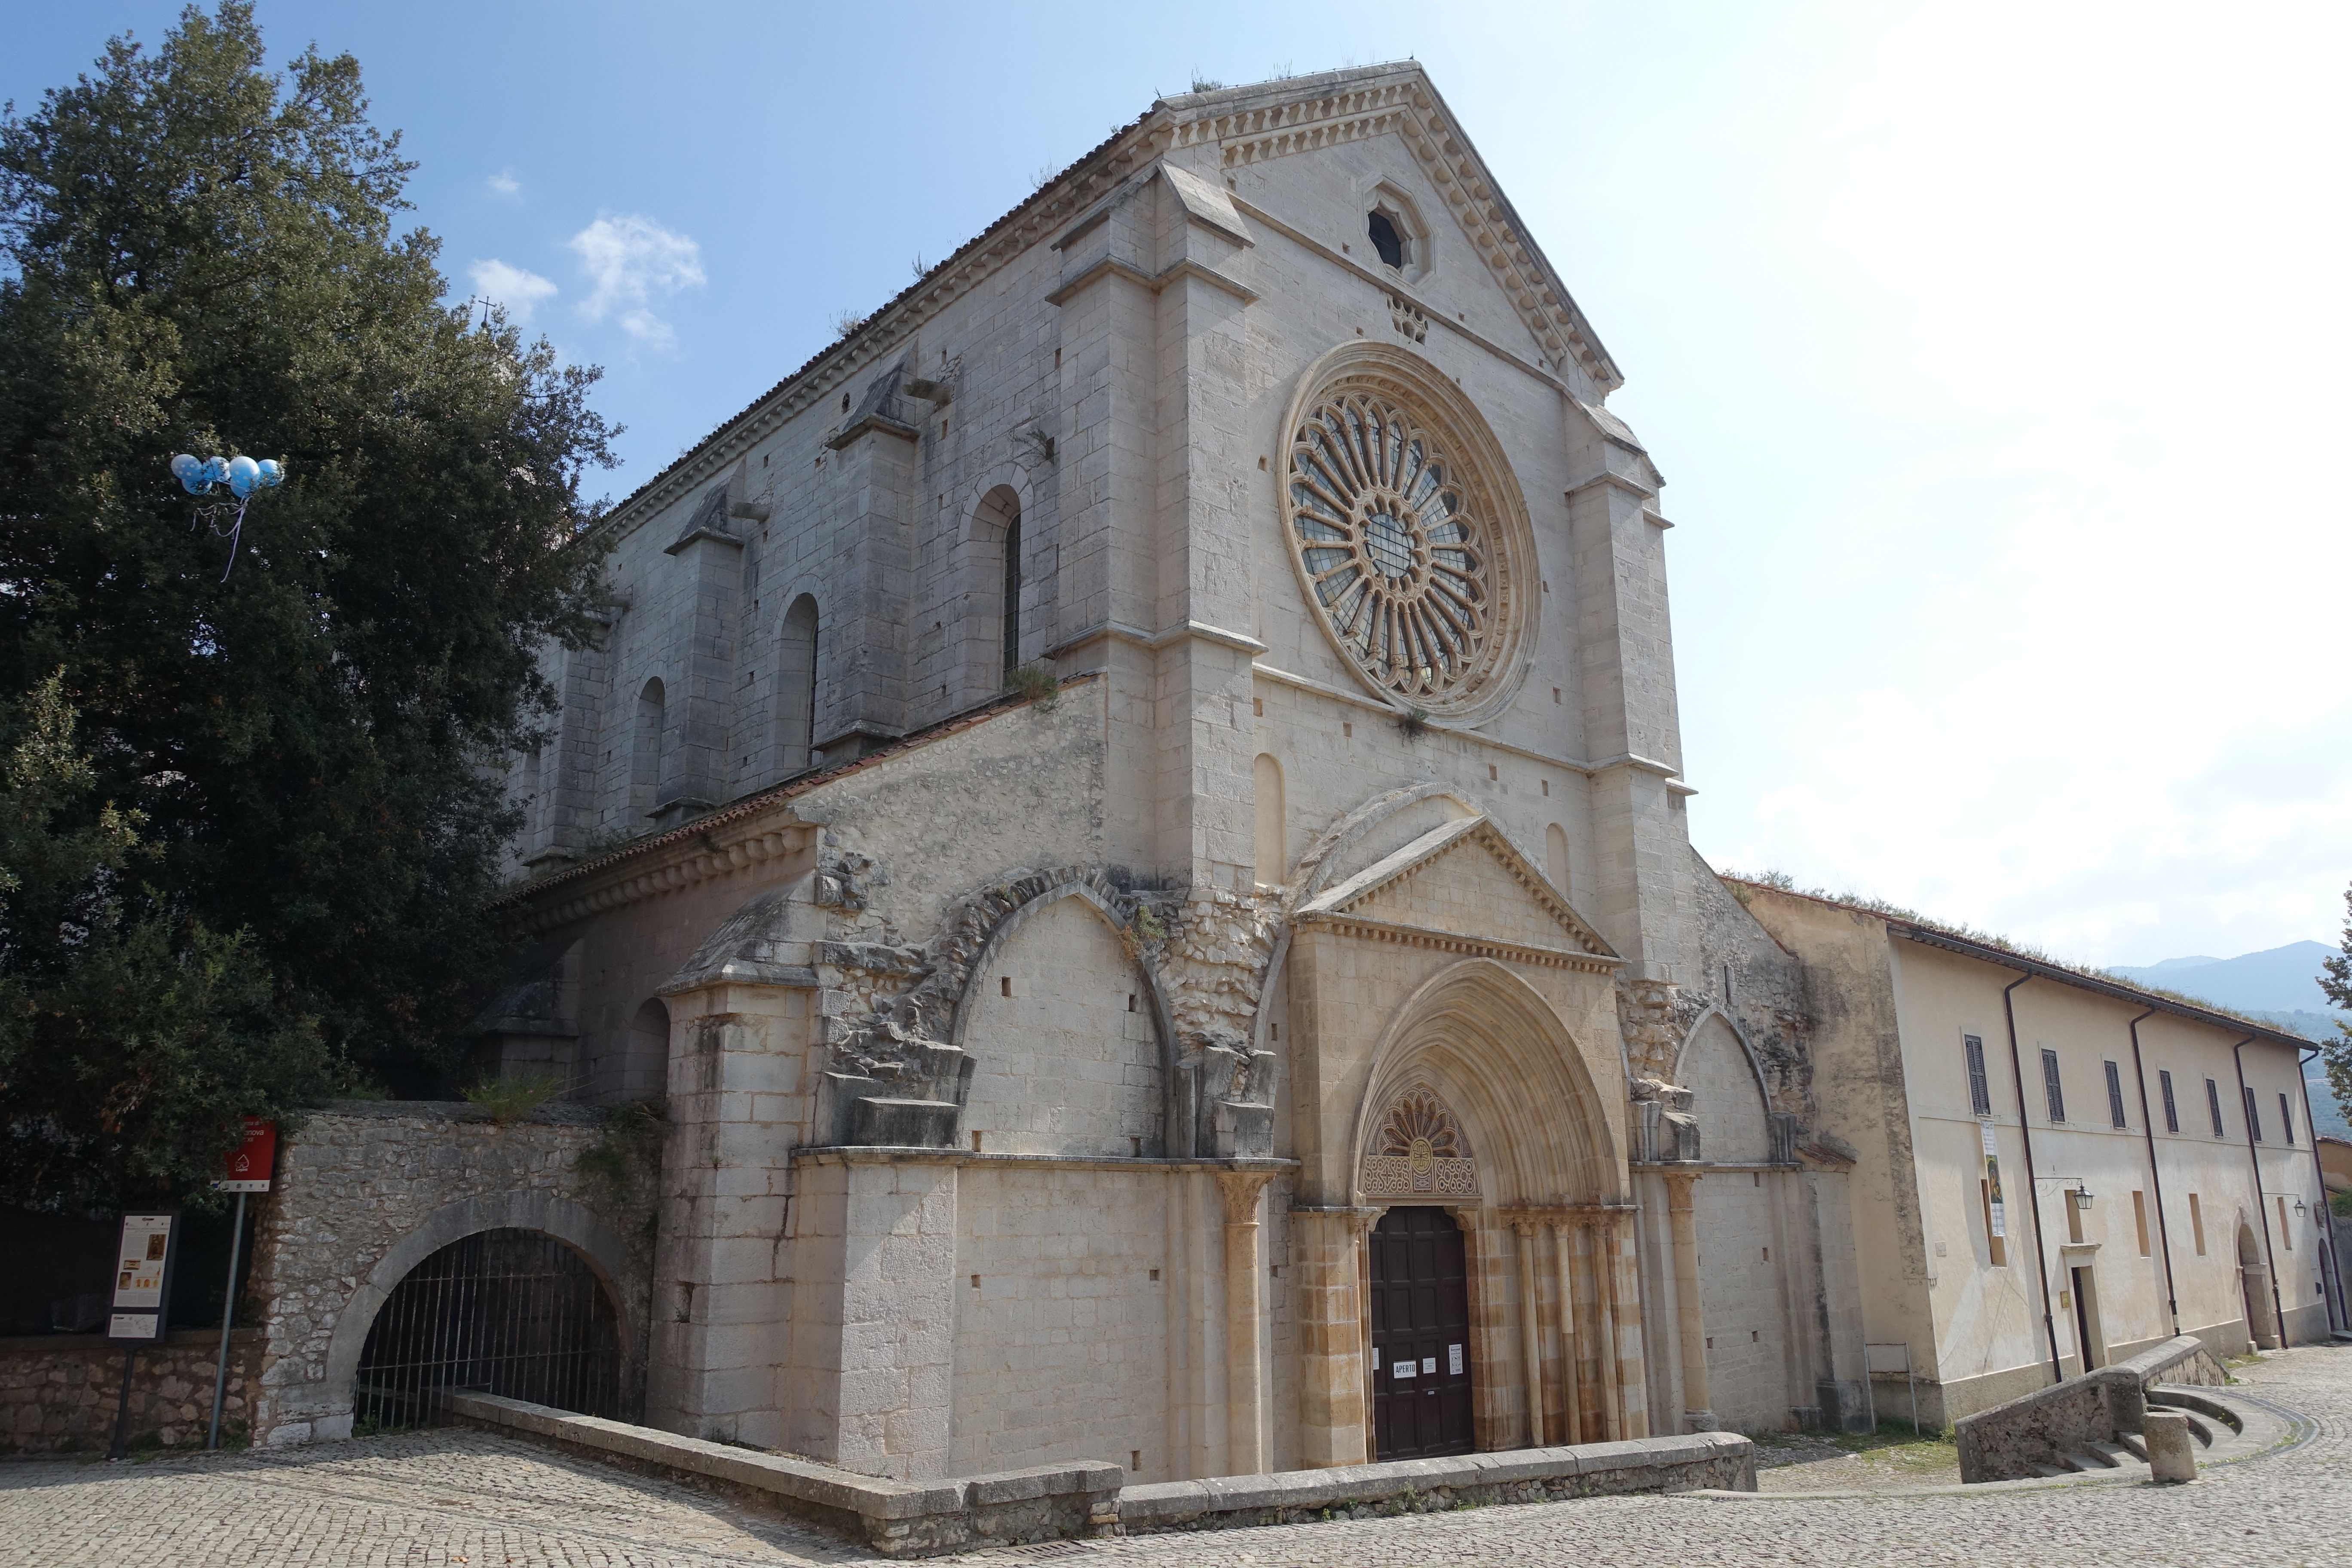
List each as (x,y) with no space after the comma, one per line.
(645,749)
(796,671)
(1010,598)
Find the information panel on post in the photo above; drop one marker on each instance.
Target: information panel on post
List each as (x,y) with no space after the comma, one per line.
(143,1277)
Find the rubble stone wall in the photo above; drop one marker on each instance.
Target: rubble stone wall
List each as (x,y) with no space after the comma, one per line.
(368,1190)
(59,1393)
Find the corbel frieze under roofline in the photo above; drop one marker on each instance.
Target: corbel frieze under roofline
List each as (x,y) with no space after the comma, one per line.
(1251,133)
(721,851)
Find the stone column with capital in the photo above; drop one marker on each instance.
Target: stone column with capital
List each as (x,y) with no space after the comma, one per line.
(1696,1417)
(1615,1232)
(1599,1234)
(1563,1245)
(1245,1292)
(1524,1229)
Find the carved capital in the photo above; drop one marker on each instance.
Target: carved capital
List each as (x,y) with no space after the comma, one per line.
(1240,1190)
(1678,1190)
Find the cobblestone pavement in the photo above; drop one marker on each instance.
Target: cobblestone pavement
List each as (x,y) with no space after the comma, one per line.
(441,1497)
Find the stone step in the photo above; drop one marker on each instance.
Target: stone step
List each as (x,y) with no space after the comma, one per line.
(2116,1455)
(2135,1444)
(2085,1461)
(2053,1471)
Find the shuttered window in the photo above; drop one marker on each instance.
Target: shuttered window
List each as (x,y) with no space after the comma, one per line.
(2115,1096)
(2050,1089)
(1980,1087)
(2171,1111)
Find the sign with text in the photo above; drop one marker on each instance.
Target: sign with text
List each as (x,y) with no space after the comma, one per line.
(142,1276)
(249,1164)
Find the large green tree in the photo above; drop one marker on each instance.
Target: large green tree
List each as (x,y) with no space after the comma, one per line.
(2335,979)
(253,818)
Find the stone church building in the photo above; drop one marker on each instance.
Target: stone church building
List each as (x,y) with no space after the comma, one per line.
(1133,810)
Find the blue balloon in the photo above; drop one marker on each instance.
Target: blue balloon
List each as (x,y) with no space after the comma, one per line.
(272,472)
(244,473)
(182,466)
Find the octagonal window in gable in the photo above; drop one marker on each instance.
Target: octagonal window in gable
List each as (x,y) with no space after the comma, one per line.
(1399,237)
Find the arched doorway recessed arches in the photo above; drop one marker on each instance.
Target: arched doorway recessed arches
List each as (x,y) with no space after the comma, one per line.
(1496,1054)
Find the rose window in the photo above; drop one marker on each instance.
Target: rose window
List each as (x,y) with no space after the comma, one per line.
(1395,536)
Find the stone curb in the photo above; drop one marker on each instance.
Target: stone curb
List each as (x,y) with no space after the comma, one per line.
(2264,1429)
(1518,1475)
(1051,1502)
(909,1519)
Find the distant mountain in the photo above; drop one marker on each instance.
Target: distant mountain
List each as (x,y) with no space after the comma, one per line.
(2280,979)
(2279,986)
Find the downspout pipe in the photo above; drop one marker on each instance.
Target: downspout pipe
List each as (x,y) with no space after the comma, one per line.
(2156,1175)
(2331,1288)
(2246,1111)
(2032,1188)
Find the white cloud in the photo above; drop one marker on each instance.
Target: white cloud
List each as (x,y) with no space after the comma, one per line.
(504,183)
(517,291)
(632,260)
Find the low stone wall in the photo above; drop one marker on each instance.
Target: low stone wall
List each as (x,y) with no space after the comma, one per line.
(59,1392)
(2007,1441)
(1052,1502)
(1722,1461)
(898,1519)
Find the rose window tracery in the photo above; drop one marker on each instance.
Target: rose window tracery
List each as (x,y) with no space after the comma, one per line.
(1407,538)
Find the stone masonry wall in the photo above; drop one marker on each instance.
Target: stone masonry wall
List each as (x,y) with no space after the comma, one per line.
(366,1190)
(58,1394)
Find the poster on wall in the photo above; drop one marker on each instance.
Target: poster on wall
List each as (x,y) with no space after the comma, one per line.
(1993,1185)
(143,1277)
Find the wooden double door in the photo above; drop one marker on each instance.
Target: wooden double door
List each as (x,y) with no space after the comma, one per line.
(1421,1335)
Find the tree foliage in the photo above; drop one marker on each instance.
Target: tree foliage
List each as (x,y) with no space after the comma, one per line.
(261,813)
(2335,979)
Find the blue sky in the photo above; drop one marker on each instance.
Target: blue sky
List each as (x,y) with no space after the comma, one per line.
(1991,354)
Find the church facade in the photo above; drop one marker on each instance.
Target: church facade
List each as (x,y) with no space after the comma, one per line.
(1132,811)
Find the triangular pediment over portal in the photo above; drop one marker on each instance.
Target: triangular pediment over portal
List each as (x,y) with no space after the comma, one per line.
(1464,879)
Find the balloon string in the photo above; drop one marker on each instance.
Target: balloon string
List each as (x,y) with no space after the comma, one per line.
(235,531)
(203,518)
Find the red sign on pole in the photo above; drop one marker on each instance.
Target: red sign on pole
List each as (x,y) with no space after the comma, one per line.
(250,1163)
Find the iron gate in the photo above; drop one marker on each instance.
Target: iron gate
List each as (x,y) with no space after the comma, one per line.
(514,1313)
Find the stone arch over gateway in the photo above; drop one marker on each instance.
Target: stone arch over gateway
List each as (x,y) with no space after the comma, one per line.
(579,1228)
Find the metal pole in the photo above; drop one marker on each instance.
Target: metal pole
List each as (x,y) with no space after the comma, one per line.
(228,1316)
(2331,1286)
(121,1444)
(2246,1109)
(2033,1189)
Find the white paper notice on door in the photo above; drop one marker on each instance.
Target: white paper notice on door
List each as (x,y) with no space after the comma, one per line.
(1405,1368)
(1429,1366)
(1454,1361)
